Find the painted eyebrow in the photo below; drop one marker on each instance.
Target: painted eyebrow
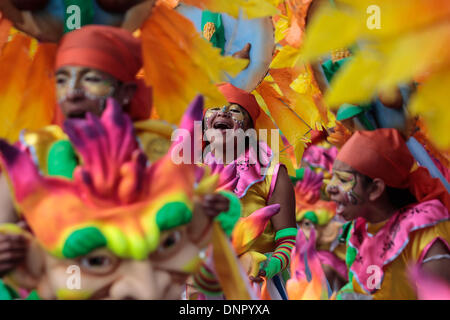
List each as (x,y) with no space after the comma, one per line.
(62,72)
(81,72)
(352,172)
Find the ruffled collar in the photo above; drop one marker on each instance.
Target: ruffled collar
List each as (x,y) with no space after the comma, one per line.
(383,247)
(250,168)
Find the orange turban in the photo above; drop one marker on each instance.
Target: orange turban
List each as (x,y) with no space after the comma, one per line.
(111,50)
(383,154)
(242,98)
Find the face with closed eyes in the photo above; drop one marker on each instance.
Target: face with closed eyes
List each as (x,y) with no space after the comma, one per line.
(80,90)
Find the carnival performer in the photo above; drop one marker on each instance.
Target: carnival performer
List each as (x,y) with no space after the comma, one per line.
(261,180)
(400,217)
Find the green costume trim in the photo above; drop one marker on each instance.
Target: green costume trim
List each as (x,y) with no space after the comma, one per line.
(365,122)
(62,159)
(350,257)
(279,260)
(299,174)
(228,219)
(286,232)
(330,68)
(33,296)
(172,215)
(272,268)
(347,111)
(86,13)
(218,37)
(7,293)
(83,241)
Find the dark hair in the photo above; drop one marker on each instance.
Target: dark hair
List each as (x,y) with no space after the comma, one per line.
(399,198)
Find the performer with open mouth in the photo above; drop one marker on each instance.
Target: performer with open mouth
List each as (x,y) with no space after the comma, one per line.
(400,217)
(262,180)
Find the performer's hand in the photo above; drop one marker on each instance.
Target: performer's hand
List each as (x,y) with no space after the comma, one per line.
(205,210)
(259,278)
(271,269)
(215,203)
(244,53)
(393,100)
(13,250)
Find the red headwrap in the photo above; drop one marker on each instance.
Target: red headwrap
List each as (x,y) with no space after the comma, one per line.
(383,154)
(242,98)
(111,50)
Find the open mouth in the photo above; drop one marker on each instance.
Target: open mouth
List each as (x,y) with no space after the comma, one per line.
(222,125)
(340,206)
(79,114)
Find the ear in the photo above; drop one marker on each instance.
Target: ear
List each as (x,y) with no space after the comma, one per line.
(125,93)
(376,189)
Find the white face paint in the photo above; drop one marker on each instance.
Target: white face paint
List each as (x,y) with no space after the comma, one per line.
(80,90)
(233,111)
(90,83)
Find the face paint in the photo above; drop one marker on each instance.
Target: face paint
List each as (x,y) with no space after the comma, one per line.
(234,111)
(344,180)
(209,115)
(90,83)
(238,115)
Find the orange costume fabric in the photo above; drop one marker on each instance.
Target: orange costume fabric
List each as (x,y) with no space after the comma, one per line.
(111,50)
(384,154)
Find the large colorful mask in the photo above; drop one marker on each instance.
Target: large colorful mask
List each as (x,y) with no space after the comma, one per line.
(131,229)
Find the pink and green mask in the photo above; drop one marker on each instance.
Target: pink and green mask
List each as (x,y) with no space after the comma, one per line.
(116,199)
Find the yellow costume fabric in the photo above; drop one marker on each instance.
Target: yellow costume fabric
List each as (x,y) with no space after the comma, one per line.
(396,285)
(257,197)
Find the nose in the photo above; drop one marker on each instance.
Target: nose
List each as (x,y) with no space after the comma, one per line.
(75,90)
(224,113)
(139,282)
(331,189)
(75,94)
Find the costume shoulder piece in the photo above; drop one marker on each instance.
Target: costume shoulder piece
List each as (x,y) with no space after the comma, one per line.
(388,243)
